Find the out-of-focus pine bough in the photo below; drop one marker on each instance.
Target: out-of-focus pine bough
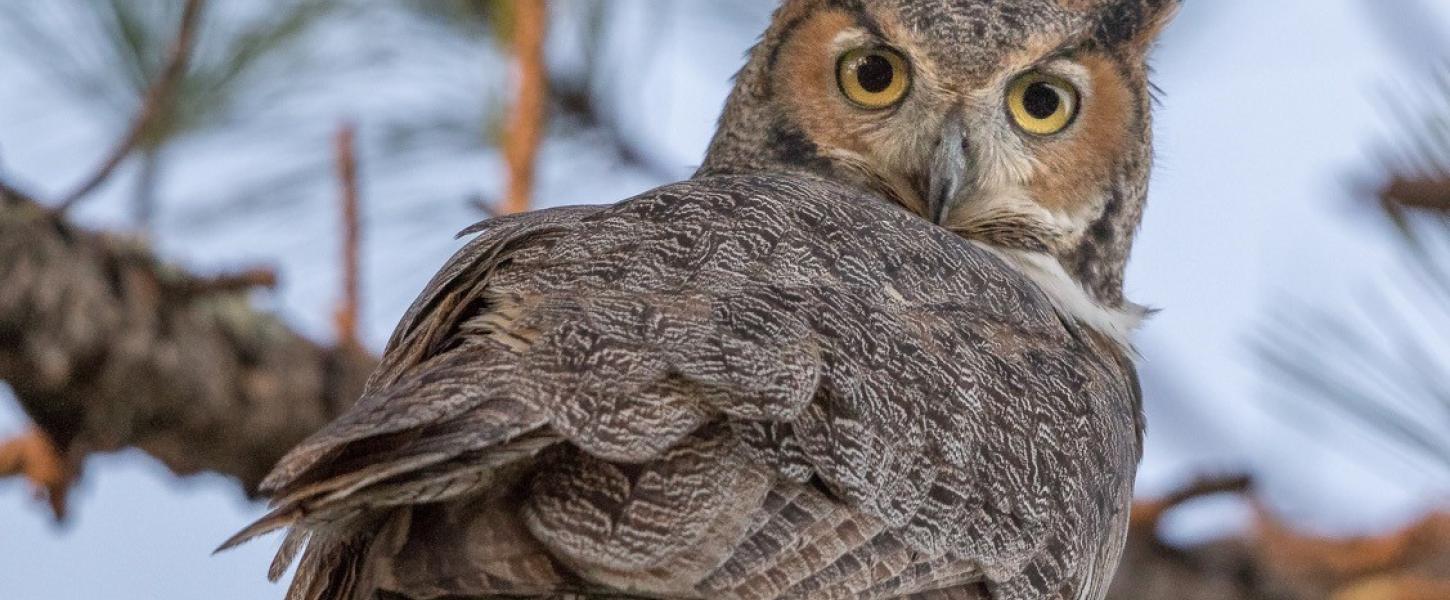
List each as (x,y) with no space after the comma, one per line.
(107,347)
(128,58)
(1272,561)
(1380,373)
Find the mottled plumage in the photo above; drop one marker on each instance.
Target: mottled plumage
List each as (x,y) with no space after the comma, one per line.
(776,380)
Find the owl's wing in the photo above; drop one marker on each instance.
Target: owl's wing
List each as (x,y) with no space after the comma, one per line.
(748,387)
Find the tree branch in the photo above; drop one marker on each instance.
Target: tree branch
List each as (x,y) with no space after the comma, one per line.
(1148,514)
(1275,562)
(103,353)
(192,286)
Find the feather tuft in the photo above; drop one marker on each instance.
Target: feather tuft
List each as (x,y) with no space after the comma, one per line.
(273,521)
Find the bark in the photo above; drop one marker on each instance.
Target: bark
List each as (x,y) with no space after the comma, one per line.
(106,347)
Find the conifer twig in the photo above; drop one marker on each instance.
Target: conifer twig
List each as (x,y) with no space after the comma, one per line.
(34,456)
(348,313)
(154,104)
(527,119)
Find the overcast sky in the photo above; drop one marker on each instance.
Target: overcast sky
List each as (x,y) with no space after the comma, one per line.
(1269,109)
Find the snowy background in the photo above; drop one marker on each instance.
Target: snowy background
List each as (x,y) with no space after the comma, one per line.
(1269,111)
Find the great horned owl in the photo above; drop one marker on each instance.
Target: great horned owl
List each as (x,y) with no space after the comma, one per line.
(875,348)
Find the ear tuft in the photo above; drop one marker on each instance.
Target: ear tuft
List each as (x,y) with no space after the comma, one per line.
(1135,23)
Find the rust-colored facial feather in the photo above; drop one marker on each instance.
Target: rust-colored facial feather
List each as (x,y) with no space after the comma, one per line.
(890,144)
(1081,160)
(806,66)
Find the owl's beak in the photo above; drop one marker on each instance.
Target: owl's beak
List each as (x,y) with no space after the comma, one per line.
(951,170)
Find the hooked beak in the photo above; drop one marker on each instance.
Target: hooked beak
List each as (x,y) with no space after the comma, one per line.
(951,170)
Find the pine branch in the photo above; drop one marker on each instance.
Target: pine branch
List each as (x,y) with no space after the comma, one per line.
(154,105)
(1273,561)
(107,347)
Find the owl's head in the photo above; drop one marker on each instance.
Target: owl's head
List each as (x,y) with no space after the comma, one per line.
(1021,124)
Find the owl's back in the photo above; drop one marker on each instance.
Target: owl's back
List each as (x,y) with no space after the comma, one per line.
(734,387)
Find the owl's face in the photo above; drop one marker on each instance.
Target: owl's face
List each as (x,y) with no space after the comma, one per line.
(1022,124)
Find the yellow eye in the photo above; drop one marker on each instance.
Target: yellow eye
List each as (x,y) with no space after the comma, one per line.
(874,78)
(1042,104)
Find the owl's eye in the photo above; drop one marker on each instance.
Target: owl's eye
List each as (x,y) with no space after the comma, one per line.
(874,78)
(1042,104)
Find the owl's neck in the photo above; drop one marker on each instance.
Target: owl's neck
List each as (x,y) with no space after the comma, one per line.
(755,137)
(759,151)
(1072,300)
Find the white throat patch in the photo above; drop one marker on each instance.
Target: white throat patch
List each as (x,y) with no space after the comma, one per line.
(1072,301)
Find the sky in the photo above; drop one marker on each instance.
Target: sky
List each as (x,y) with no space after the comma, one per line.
(1268,109)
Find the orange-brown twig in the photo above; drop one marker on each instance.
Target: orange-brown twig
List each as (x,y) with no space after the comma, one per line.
(33,456)
(526,124)
(154,104)
(347,315)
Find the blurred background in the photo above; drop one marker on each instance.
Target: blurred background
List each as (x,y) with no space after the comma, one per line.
(1297,240)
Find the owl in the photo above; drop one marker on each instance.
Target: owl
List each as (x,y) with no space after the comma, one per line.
(877,347)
